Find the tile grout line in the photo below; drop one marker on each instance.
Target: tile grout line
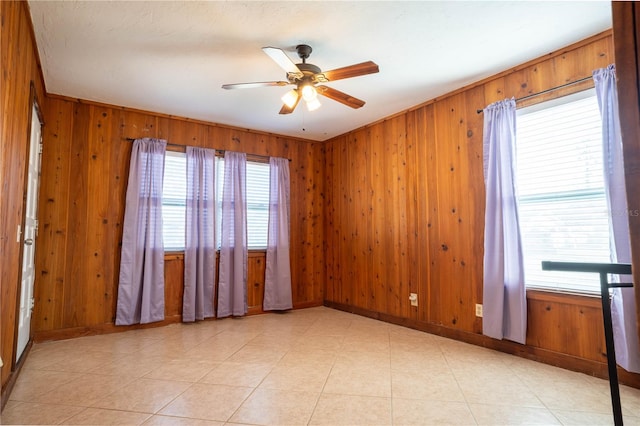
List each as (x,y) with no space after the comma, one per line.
(390,378)
(466,401)
(333,363)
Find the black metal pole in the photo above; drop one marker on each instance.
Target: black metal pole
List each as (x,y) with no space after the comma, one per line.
(603,269)
(611,351)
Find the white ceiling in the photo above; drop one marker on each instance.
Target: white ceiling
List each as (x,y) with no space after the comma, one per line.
(172,57)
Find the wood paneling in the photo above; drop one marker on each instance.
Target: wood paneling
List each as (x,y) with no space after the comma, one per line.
(173,287)
(86,160)
(255,281)
(626,32)
(405,213)
(20,68)
(564,317)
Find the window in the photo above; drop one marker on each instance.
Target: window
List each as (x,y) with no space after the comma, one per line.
(257,202)
(562,204)
(174,204)
(174,192)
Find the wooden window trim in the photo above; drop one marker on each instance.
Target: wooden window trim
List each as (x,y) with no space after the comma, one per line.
(577,299)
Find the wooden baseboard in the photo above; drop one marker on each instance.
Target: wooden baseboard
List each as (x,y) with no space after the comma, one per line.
(568,362)
(257,310)
(311,304)
(92,330)
(70,333)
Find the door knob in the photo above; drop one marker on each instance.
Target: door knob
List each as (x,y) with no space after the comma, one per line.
(28,241)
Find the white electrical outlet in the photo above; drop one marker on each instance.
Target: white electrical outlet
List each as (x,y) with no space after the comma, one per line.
(413,298)
(478,310)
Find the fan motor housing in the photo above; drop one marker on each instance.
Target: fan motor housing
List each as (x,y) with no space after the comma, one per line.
(309,71)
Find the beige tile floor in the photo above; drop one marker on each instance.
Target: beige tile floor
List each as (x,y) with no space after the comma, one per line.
(309,367)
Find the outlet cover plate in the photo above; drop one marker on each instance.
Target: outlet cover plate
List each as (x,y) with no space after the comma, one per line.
(413,298)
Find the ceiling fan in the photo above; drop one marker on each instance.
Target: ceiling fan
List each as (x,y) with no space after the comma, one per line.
(305,77)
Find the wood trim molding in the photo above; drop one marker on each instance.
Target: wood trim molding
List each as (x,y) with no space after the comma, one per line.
(33,104)
(70,333)
(591,301)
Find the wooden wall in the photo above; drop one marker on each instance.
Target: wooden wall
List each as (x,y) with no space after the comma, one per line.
(84,175)
(405,214)
(626,34)
(20,67)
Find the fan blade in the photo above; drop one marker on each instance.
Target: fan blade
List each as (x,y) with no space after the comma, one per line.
(347,72)
(283,61)
(288,110)
(339,96)
(256,84)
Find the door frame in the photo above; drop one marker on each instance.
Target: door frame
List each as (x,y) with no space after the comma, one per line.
(33,104)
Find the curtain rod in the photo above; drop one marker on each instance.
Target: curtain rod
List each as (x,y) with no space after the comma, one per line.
(221,151)
(547,90)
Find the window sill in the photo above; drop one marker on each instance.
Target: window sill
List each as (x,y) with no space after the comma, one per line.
(179,255)
(173,255)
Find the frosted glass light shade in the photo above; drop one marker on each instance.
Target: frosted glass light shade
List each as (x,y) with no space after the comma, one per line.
(290,98)
(313,104)
(309,93)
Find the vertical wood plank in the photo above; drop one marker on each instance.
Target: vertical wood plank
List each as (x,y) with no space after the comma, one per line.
(318,210)
(474,223)
(380,260)
(99,275)
(53,208)
(431,211)
(75,304)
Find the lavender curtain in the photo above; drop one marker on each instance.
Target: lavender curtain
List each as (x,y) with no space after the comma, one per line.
(623,305)
(141,283)
(504,298)
(232,282)
(277,286)
(200,244)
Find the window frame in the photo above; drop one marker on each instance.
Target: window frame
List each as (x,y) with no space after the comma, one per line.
(182,154)
(179,151)
(533,103)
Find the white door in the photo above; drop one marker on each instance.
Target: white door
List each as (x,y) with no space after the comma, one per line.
(29,235)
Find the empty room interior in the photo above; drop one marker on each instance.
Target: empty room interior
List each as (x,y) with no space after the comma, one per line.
(355,213)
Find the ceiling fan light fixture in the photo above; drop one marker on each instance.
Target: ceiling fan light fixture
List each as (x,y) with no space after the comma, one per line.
(309,93)
(290,98)
(313,104)
(304,76)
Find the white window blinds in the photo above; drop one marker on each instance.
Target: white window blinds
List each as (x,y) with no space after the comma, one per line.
(257,202)
(174,192)
(174,201)
(563,211)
